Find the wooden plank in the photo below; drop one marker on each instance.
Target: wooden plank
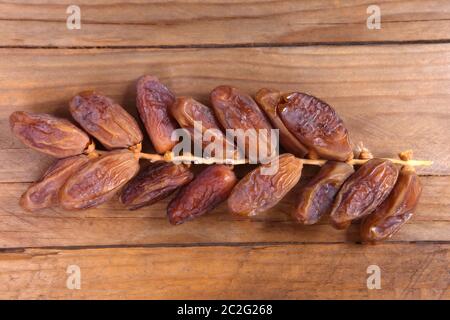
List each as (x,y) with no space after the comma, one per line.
(220,22)
(392,98)
(419,271)
(374,88)
(111,224)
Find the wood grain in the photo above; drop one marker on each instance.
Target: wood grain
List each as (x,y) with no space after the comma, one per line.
(392,98)
(111,224)
(190,23)
(393,93)
(374,88)
(416,271)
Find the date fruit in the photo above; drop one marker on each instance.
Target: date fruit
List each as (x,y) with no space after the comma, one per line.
(153,102)
(396,210)
(363,192)
(106,120)
(211,187)
(154,183)
(269,100)
(99,180)
(237,110)
(44,193)
(316,197)
(187,111)
(316,125)
(45,133)
(258,192)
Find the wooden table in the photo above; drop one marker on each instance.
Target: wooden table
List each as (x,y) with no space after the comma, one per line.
(391,86)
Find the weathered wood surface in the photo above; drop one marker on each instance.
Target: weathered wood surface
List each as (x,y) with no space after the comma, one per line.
(392,98)
(373,88)
(337,271)
(111,224)
(188,23)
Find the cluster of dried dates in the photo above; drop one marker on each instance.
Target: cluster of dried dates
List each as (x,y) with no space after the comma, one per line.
(381,193)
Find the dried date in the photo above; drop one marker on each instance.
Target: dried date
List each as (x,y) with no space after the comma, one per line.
(396,210)
(316,197)
(99,180)
(258,192)
(44,193)
(211,187)
(153,102)
(269,100)
(106,120)
(187,111)
(237,110)
(316,125)
(363,192)
(54,136)
(154,183)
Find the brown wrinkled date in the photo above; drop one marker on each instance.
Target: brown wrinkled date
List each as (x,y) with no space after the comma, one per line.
(237,110)
(211,187)
(154,183)
(258,192)
(396,210)
(187,111)
(54,136)
(104,119)
(153,100)
(45,192)
(99,180)
(316,125)
(269,100)
(316,197)
(363,192)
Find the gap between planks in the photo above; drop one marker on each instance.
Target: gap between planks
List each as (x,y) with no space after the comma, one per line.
(216,244)
(243,45)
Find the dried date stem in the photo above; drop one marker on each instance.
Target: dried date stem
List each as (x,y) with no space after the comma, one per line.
(169,156)
(90,150)
(187,157)
(414,163)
